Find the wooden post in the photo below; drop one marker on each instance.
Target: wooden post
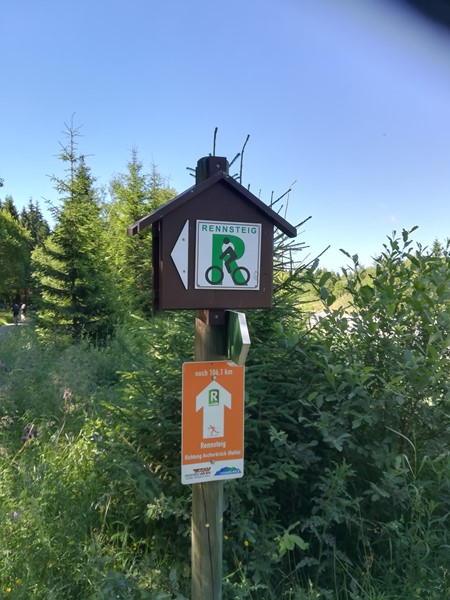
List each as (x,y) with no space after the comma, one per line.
(207,498)
(206,560)
(181,244)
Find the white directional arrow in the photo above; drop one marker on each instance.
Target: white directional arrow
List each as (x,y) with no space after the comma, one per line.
(213,400)
(180,254)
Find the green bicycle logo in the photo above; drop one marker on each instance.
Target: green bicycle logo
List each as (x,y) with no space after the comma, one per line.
(226,251)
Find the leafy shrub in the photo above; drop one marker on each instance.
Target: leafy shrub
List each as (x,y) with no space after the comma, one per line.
(346,489)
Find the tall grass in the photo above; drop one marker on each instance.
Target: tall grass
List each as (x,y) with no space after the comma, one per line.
(63,469)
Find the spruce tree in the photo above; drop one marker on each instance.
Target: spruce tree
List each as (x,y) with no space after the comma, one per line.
(134,195)
(72,267)
(32,219)
(15,245)
(10,207)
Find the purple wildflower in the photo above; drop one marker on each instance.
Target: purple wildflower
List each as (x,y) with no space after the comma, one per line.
(30,432)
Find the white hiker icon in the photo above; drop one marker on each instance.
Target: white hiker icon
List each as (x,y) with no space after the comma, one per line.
(213,400)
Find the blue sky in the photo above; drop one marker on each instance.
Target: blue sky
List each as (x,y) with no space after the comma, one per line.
(349,98)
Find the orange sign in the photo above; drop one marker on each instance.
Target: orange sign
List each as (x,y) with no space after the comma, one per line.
(212,440)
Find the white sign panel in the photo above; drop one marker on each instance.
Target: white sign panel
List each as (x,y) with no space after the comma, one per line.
(180,254)
(228,255)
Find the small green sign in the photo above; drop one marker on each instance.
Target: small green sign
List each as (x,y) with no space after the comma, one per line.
(213,397)
(238,337)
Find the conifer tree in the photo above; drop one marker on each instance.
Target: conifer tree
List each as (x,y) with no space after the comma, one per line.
(32,219)
(10,207)
(134,195)
(15,245)
(71,267)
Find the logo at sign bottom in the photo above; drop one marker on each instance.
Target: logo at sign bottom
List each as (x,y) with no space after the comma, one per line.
(219,470)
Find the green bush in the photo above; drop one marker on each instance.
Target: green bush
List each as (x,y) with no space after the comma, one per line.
(346,486)
(69,482)
(372,394)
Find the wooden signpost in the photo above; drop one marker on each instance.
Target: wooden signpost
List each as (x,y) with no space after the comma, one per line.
(213,245)
(212,252)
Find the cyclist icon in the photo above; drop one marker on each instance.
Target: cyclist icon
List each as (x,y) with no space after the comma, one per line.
(240,275)
(229,253)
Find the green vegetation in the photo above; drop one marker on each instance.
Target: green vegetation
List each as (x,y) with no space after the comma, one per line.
(15,247)
(71,268)
(346,491)
(5,317)
(134,195)
(19,235)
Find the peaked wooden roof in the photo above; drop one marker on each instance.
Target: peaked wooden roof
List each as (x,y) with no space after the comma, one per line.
(194,191)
